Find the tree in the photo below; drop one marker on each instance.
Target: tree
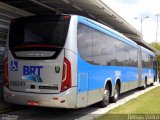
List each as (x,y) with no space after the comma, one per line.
(157,47)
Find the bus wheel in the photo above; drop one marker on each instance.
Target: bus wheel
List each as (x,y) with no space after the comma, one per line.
(115,97)
(145,85)
(106,97)
(151,84)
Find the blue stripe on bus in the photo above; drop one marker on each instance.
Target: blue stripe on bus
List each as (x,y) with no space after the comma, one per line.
(91,77)
(98,74)
(106,31)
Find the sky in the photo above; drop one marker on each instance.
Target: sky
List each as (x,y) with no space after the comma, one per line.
(131,9)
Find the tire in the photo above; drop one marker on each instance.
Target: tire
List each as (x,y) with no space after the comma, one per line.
(115,97)
(155,79)
(151,84)
(106,97)
(145,85)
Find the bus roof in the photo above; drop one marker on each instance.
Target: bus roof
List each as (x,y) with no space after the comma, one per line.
(106,30)
(147,51)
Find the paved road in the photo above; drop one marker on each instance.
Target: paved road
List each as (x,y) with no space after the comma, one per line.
(33,113)
(38,113)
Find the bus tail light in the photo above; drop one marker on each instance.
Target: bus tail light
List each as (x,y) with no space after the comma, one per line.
(66,17)
(6,72)
(66,75)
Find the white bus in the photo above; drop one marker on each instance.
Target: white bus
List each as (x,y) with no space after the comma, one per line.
(70,61)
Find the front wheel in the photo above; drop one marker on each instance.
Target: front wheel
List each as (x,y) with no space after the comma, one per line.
(106,97)
(115,97)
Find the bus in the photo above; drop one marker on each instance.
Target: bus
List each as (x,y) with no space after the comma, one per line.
(70,61)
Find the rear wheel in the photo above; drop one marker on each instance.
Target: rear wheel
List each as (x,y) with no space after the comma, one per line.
(151,84)
(106,97)
(145,85)
(115,97)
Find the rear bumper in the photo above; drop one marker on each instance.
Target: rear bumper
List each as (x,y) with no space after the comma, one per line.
(65,99)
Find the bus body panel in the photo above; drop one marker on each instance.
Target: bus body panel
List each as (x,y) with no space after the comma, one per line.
(71,48)
(148,68)
(149,73)
(140,83)
(62,100)
(35,76)
(92,78)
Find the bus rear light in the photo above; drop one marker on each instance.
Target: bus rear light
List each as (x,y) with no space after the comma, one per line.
(32,103)
(9,95)
(62,101)
(55,98)
(66,17)
(66,75)
(6,72)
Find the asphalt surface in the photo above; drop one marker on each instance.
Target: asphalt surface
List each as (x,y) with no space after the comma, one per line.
(88,113)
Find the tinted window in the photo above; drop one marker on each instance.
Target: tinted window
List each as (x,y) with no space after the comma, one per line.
(26,31)
(145,60)
(133,56)
(46,31)
(99,48)
(148,61)
(111,51)
(120,50)
(152,62)
(85,42)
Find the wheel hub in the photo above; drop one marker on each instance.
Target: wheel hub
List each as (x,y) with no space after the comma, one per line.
(106,96)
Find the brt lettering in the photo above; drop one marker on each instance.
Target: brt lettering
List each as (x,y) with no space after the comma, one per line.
(32,70)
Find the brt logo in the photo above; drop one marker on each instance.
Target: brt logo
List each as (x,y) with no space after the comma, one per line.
(32,70)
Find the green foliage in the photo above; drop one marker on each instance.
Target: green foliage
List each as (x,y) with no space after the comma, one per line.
(157,47)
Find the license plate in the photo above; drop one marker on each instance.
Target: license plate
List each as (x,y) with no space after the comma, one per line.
(32,103)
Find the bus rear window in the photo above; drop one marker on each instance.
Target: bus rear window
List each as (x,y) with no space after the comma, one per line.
(43,33)
(38,31)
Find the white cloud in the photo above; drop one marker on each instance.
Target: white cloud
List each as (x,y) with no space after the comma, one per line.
(129,9)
